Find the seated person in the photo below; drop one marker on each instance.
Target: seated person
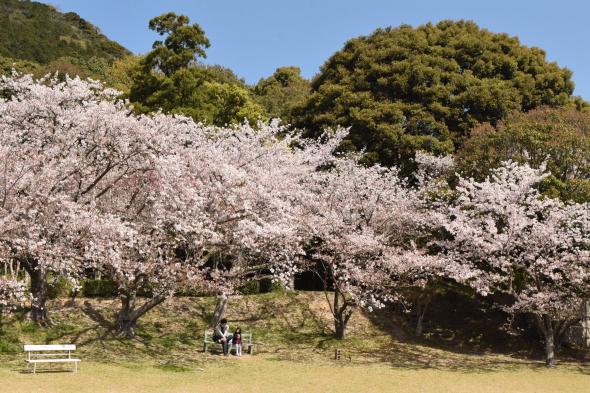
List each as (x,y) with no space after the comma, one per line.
(222,336)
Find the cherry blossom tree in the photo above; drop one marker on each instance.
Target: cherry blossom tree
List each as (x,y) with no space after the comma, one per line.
(251,182)
(235,192)
(432,176)
(361,223)
(507,238)
(12,288)
(141,255)
(41,235)
(146,199)
(63,146)
(12,293)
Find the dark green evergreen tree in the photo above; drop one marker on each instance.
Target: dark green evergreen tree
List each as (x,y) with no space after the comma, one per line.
(403,89)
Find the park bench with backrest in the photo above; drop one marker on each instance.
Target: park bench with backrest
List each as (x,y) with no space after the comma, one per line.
(47,354)
(247,342)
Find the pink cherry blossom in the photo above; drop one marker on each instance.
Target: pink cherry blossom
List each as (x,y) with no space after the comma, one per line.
(507,238)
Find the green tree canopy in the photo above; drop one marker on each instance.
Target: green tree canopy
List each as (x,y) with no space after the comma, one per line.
(221,74)
(402,89)
(121,72)
(170,78)
(560,138)
(284,90)
(182,45)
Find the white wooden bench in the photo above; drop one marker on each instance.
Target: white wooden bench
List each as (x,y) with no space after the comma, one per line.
(50,354)
(246,342)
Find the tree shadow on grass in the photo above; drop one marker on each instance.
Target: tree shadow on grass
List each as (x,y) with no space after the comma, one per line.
(97,317)
(202,311)
(24,370)
(102,337)
(462,335)
(416,357)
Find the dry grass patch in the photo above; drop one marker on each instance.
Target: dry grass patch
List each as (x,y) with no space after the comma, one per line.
(261,375)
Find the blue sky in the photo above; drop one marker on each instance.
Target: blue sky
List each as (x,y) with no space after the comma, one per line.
(254,37)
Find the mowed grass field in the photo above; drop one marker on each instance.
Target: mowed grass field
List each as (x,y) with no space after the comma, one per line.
(263,375)
(294,352)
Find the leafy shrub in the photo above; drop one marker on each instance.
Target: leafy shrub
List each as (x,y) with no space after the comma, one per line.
(99,288)
(59,287)
(267,285)
(261,286)
(277,287)
(250,288)
(145,290)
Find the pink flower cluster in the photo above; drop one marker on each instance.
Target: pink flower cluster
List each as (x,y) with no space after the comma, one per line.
(161,201)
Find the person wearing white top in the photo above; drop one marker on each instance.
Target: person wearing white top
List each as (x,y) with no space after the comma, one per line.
(222,336)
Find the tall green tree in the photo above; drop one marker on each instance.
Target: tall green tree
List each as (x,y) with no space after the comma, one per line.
(170,78)
(283,91)
(183,43)
(403,89)
(557,138)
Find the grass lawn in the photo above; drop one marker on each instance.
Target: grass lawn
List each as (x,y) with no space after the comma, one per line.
(294,353)
(263,375)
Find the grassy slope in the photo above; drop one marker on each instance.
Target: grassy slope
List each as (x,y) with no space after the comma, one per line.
(296,352)
(287,326)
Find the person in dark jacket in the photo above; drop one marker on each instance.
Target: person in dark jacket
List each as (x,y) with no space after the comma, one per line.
(237,341)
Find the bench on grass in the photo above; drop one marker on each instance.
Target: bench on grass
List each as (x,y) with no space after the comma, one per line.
(246,342)
(50,354)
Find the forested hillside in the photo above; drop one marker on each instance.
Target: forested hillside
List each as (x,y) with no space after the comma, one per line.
(40,33)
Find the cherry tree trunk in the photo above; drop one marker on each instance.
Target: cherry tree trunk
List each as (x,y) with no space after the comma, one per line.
(130,313)
(586,323)
(39,293)
(219,310)
(549,351)
(545,324)
(342,313)
(125,319)
(420,312)
(340,327)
